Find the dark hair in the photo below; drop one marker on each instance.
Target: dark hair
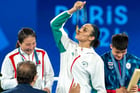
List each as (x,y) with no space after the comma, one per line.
(26,72)
(120,41)
(24,33)
(95,43)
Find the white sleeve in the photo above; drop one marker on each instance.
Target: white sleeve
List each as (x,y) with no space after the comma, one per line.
(97,76)
(8,81)
(48,72)
(66,41)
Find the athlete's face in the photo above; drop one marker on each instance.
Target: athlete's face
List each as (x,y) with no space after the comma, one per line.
(118,54)
(84,33)
(28,44)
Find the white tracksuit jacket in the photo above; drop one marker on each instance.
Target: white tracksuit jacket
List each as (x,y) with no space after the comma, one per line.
(78,65)
(44,69)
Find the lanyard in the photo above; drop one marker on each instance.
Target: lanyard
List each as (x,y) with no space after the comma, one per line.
(84,17)
(121,79)
(36,57)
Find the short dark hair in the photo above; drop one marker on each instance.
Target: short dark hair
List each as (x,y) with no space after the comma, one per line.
(120,41)
(26,72)
(24,33)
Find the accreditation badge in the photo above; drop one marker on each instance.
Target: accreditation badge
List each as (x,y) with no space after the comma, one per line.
(85,64)
(110,65)
(128,65)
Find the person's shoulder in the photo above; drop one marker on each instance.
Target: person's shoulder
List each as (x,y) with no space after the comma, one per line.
(38,91)
(91,53)
(17,89)
(94,56)
(106,54)
(132,56)
(40,50)
(9,91)
(13,52)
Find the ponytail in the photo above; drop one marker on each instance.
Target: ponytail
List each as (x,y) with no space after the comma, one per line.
(96,33)
(17,45)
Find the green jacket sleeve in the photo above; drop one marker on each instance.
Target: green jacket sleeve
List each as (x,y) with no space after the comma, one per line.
(56,24)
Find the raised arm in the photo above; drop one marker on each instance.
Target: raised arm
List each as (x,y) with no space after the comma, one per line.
(57,24)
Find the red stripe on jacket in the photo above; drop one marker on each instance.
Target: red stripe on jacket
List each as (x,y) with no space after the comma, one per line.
(43,54)
(13,63)
(14,66)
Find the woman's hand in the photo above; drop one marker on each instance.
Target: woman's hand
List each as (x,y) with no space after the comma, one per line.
(78,5)
(75,88)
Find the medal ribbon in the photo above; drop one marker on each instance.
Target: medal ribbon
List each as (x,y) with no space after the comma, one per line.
(120,78)
(36,57)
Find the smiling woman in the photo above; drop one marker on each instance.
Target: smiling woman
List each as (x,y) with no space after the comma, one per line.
(27,51)
(26,40)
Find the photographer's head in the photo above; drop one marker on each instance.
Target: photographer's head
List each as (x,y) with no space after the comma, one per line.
(26,72)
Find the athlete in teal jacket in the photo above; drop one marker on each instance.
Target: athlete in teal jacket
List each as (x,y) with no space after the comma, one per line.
(119,65)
